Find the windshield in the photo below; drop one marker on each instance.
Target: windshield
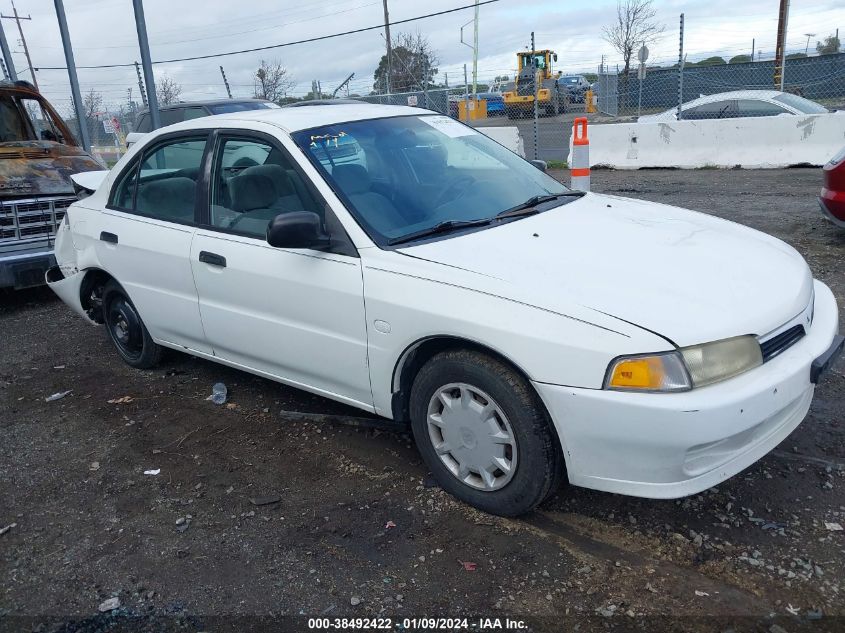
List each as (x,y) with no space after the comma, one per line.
(241,106)
(403,175)
(570,80)
(26,119)
(800,103)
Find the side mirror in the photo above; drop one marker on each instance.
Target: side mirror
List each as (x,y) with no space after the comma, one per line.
(539,164)
(554,56)
(300,229)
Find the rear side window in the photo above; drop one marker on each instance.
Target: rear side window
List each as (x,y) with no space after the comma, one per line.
(163,182)
(715,110)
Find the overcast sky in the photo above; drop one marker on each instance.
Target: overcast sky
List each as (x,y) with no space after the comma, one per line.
(103,32)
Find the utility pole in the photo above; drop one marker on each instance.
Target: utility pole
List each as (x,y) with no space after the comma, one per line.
(18,19)
(475,54)
(425,82)
(807,47)
(141,85)
(146,62)
(226,82)
(681,70)
(7,55)
(466,97)
(753,44)
(780,52)
(534,70)
(389,46)
(474,47)
(129,99)
(71,73)
(345,82)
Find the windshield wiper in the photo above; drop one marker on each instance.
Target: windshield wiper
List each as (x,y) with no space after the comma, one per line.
(442,227)
(529,206)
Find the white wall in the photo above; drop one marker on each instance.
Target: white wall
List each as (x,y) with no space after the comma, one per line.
(508,136)
(755,142)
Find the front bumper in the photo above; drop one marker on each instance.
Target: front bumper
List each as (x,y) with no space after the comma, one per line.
(671,445)
(25,270)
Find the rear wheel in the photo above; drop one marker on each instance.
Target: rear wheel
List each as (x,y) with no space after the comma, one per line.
(126,329)
(484,433)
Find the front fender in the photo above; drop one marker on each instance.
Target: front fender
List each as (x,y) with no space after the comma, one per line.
(406,306)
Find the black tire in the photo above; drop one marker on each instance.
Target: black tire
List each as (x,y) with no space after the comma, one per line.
(126,330)
(540,465)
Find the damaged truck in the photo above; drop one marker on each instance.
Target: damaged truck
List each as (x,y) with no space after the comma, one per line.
(38,154)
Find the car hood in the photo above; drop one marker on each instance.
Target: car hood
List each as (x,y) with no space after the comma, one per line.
(686,276)
(29,168)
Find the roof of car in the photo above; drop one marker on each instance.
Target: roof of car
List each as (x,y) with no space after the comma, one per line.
(737,94)
(209,102)
(322,102)
(296,119)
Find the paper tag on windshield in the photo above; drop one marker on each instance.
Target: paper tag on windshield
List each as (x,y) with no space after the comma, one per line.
(448,126)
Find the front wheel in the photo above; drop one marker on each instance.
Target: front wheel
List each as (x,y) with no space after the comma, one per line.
(484,433)
(126,329)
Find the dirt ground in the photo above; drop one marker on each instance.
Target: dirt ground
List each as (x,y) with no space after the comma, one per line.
(283,505)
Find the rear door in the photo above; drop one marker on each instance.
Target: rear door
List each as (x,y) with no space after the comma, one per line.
(144,237)
(294,314)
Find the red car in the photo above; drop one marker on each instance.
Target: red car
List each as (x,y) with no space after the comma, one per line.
(832,199)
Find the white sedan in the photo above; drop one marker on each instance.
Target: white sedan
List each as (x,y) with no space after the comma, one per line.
(739,103)
(400,262)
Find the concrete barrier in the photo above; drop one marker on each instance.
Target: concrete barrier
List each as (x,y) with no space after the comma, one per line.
(508,136)
(752,142)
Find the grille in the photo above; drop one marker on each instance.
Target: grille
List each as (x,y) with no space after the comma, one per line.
(33,218)
(781,342)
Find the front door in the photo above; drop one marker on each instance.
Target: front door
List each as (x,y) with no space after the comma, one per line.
(295,314)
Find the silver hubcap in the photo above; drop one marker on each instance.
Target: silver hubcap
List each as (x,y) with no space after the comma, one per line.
(472,436)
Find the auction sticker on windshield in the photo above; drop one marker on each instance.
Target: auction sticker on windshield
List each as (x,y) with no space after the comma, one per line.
(448,126)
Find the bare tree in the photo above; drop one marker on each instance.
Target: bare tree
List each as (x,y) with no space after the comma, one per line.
(413,65)
(272,81)
(636,24)
(168,90)
(92,103)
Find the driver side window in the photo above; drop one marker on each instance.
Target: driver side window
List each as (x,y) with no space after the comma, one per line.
(254,182)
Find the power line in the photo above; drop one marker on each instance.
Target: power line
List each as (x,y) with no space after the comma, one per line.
(272,46)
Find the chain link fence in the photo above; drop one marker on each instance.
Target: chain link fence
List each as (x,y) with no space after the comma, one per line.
(613,96)
(108,140)
(620,97)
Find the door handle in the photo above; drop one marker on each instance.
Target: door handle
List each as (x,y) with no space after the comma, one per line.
(111,238)
(213,259)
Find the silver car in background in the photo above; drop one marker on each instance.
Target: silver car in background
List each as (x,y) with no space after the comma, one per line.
(740,103)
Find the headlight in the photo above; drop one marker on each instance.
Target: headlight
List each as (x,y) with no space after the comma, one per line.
(685,368)
(717,361)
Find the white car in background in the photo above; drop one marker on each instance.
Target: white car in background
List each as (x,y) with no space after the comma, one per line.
(530,334)
(739,103)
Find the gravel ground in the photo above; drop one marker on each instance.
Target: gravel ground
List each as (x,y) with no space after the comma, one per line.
(281,503)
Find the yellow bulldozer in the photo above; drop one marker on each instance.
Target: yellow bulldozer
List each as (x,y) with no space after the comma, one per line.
(518,95)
